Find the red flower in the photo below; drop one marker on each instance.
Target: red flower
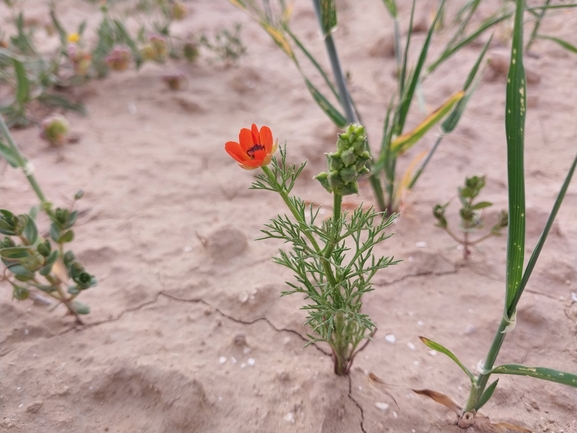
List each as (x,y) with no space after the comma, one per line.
(255,148)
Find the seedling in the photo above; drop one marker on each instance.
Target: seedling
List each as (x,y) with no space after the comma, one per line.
(31,262)
(471,216)
(332,260)
(516,277)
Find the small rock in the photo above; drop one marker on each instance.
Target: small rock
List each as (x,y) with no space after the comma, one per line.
(289,417)
(239,339)
(391,338)
(251,362)
(411,346)
(382,406)
(34,407)
(222,360)
(469,329)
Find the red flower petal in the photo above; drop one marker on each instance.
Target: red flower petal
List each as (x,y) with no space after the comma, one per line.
(266,138)
(246,140)
(235,151)
(255,134)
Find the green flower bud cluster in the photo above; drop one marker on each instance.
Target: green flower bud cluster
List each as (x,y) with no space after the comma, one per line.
(347,163)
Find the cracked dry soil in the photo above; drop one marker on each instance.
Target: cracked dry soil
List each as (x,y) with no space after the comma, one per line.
(188,332)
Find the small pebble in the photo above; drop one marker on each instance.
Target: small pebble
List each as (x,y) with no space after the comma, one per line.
(289,417)
(469,329)
(187,249)
(421,245)
(250,361)
(233,360)
(390,338)
(382,406)
(420,323)
(574,296)
(222,360)
(246,350)
(395,414)
(411,346)
(433,352)
(243,365)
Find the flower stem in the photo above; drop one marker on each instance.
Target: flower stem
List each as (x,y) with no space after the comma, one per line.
(284,195)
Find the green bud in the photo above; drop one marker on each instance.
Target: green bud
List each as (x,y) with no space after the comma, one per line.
(439,214)
(79,194)
(347,163)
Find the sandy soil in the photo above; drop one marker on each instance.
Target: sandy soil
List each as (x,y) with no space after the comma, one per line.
(188,332)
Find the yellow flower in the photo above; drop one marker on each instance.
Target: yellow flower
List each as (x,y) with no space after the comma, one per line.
(73,38)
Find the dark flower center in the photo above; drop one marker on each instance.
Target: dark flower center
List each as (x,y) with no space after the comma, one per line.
(250,152)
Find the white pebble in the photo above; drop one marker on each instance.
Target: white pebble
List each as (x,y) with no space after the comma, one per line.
(469,329)
(421,245)
(286,340)
(360,388)
(433,352)
(390,338)
(222,360)
(411,346)
(395,414)
(420,323)
(22,404)
(187,249)
(289,417)
(242,365)
(250,361)
(574,296)
(246,350)
(382,406)
(233,359)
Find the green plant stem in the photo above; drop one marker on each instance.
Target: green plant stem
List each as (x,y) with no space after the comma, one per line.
(21,160)
(481,239)
(58,284)
(284,195)
(479,387)
(425,162)
(346,103)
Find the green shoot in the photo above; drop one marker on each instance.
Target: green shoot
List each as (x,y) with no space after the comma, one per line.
(470,215)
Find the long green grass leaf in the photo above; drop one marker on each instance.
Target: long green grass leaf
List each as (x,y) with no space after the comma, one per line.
(537,372)
(561,42)
(442,349)
(415,76)
(326,106)
(535,255)
(515,108)
(452,50)
(391,7)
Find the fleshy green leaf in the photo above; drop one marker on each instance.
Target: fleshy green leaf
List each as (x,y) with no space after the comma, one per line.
(23,89)
(482,205)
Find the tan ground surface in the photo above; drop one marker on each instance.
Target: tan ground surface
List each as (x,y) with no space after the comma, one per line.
(168,308)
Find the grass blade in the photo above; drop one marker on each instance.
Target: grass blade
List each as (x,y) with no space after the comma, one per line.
(329,109)
(452,50)
(391,7)
(515,108)
(23,88)
(405,141)
(549,374)
(445,351)
(409,91)
(561,42)
(540,16)
(486,395)
(535,255)
(129,41)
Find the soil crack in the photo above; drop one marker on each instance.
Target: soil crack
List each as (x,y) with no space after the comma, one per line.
(357,404)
